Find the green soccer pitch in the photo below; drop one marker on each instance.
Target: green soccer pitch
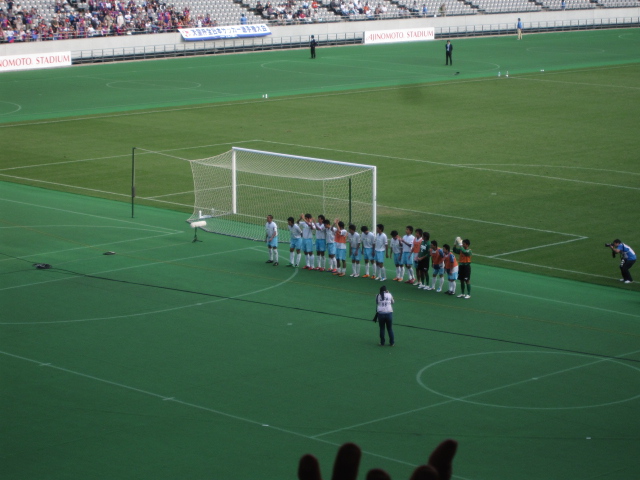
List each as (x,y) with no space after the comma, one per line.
(538,169)
(180,359)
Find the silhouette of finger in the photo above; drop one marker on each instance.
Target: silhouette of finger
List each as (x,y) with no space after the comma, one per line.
(347,462)
(425,472)
(377,474)
(309,468)
(442,457)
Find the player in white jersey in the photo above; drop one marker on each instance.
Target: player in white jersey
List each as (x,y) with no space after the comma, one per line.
(330,235)
(396,250)
(321,243)
(295,242)
(354,249)
(380,246)
(407,254)
(271,236)
(367,238)
(308,226)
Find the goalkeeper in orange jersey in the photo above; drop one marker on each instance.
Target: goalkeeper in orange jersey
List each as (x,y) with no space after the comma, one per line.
(461,247)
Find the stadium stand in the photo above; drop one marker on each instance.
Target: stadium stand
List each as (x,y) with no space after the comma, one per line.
(37,20)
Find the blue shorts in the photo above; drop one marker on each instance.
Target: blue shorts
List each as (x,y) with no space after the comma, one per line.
(307,245)
(341,253)
(397,259)
(368,254)
(321,244)
(438,270)
(295,243)
(379,256)
(331,248)
(407,258)
(452,275)
(273,243)
(355,255)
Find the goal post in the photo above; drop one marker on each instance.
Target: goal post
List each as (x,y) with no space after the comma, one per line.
(235,191)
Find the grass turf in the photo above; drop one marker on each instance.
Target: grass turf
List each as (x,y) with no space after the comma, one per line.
(172,358)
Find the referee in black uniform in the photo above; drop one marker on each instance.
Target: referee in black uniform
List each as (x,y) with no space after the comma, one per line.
(313,44)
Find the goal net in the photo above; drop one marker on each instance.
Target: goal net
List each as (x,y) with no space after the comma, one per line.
(235,191)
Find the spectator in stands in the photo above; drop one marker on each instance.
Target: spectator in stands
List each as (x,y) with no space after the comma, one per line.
(243,19)
(443,10)
(563,5)
(425,10)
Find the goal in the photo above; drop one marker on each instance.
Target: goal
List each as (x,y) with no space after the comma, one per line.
(235,191)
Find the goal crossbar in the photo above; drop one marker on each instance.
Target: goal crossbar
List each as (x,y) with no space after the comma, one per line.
(235,191)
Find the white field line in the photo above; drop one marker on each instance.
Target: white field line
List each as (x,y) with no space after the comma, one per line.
(579,237)
(561,302)
(547,267)
(166,398)
(451,400)
(568,167)
(535,79)
(83,247)
(358,89)
(537,247)
(131,267)
(65,185)
(460,165)
(128,222)
(128,155)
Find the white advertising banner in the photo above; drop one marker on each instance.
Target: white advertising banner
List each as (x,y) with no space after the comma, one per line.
(218,33)
(400,35)
(34,60)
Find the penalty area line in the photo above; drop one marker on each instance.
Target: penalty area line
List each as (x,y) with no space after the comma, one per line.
(536,248)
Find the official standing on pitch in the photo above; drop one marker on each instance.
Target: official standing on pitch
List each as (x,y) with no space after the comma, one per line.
(627,258)
(448,50)
(313,44)
(384,309)
(519,29)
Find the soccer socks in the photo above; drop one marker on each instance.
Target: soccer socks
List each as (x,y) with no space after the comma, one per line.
(299,256)
(275,254)
(462,287)
(292,258)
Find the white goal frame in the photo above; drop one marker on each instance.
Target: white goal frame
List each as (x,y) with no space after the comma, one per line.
(219,182)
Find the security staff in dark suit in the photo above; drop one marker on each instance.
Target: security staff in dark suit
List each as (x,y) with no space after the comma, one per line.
(448,50)
(313,44)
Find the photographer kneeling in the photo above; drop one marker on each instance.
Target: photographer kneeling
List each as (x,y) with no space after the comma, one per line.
(627,256)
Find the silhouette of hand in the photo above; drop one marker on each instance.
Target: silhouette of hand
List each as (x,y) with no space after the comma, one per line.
(345,467)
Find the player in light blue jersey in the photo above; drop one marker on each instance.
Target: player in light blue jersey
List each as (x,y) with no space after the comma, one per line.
(321,243)
(380,252)
(295,242)
(396,251)
(354,251)
(308,226)
(367,238)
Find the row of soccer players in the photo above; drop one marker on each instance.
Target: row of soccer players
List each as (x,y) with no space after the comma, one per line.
(409,252)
